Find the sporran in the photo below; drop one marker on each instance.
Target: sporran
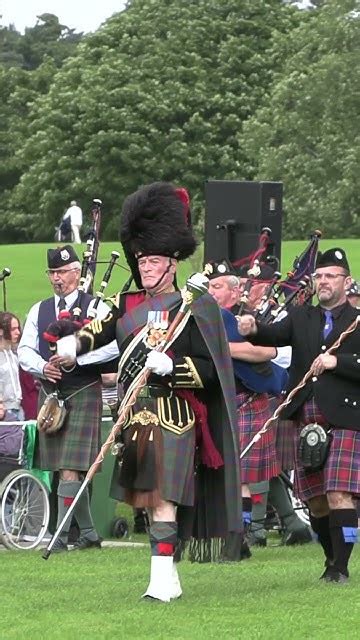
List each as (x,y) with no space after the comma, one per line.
(314,446)
(52,414)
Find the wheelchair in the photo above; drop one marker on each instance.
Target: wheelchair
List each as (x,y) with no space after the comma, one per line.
(64,233)
(24,501)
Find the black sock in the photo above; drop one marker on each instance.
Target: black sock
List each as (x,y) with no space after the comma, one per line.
(246,509)
(343,530)
(321,527)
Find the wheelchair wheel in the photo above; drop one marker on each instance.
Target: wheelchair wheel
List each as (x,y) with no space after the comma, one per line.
(120,528)
(24,510)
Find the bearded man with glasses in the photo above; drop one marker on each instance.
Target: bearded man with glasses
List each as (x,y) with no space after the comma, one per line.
(71,450)
(327,408)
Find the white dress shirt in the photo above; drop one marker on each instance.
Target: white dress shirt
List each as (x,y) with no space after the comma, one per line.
(28,349)
(284,354)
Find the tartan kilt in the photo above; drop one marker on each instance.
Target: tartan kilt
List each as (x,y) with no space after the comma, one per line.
(76,445)
(177,472)
(260,462)
(341,471)
(285,449)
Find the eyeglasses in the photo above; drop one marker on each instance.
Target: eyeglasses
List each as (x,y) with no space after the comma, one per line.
(60,272)
(330,277)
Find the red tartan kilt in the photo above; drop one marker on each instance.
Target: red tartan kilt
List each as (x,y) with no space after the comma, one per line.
(342,468)
(285,430)
(260,462)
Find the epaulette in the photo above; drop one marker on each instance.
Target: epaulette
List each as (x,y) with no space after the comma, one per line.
(114,300)
(127,300)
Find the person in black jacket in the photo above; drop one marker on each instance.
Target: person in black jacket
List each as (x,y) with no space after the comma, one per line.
(330,399)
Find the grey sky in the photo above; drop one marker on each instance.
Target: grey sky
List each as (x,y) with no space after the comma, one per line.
(82,15)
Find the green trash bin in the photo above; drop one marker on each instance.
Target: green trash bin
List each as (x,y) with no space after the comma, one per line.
(102,506)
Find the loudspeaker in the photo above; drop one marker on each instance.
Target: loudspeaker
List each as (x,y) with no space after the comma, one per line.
(235,213)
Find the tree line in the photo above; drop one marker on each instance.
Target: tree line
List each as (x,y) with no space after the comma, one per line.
(183,90)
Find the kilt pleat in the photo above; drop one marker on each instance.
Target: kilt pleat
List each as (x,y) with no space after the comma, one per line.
(76,445)
(341,471)
(284,444)
(260,462)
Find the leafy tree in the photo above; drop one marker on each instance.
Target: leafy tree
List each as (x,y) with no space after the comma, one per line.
(308,132)
(47,38)
(18,89)
(9,53)
(161,91)
(28,64)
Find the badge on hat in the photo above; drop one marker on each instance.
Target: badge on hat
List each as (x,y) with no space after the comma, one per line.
(216,269)
(61,256)
(64,255)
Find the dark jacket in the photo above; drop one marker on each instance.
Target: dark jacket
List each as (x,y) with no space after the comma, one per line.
(337,392)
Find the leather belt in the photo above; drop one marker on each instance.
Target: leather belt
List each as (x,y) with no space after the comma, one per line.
(155,391)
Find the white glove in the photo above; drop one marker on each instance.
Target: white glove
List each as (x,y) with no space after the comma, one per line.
(159,363)
(246,325)
(66,347)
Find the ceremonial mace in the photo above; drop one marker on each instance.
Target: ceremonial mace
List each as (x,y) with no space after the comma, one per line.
(351,328)
(195,287)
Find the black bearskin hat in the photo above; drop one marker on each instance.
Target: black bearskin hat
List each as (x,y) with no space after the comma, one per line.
(155,220)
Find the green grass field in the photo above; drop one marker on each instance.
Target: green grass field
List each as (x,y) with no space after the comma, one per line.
(96,595)
(29,283)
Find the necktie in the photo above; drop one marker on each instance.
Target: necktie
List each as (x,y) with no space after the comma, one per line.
(328,324)
(61,305)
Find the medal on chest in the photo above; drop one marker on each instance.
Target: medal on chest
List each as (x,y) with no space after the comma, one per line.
(157,328)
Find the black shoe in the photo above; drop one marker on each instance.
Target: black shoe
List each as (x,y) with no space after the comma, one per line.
(245,552)
(299,536)
(259,542)
(59,546)
(257,539)
(334,575)
(139,527)
(85,543)
(326,575)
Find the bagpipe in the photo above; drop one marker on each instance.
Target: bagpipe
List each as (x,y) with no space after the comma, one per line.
(278,297)
(254,270)
(264,377)
(93,243)
(296,289)
(87,275)
(53,411)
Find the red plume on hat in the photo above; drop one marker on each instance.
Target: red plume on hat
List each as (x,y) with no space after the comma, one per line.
(155,220)
(183,195)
